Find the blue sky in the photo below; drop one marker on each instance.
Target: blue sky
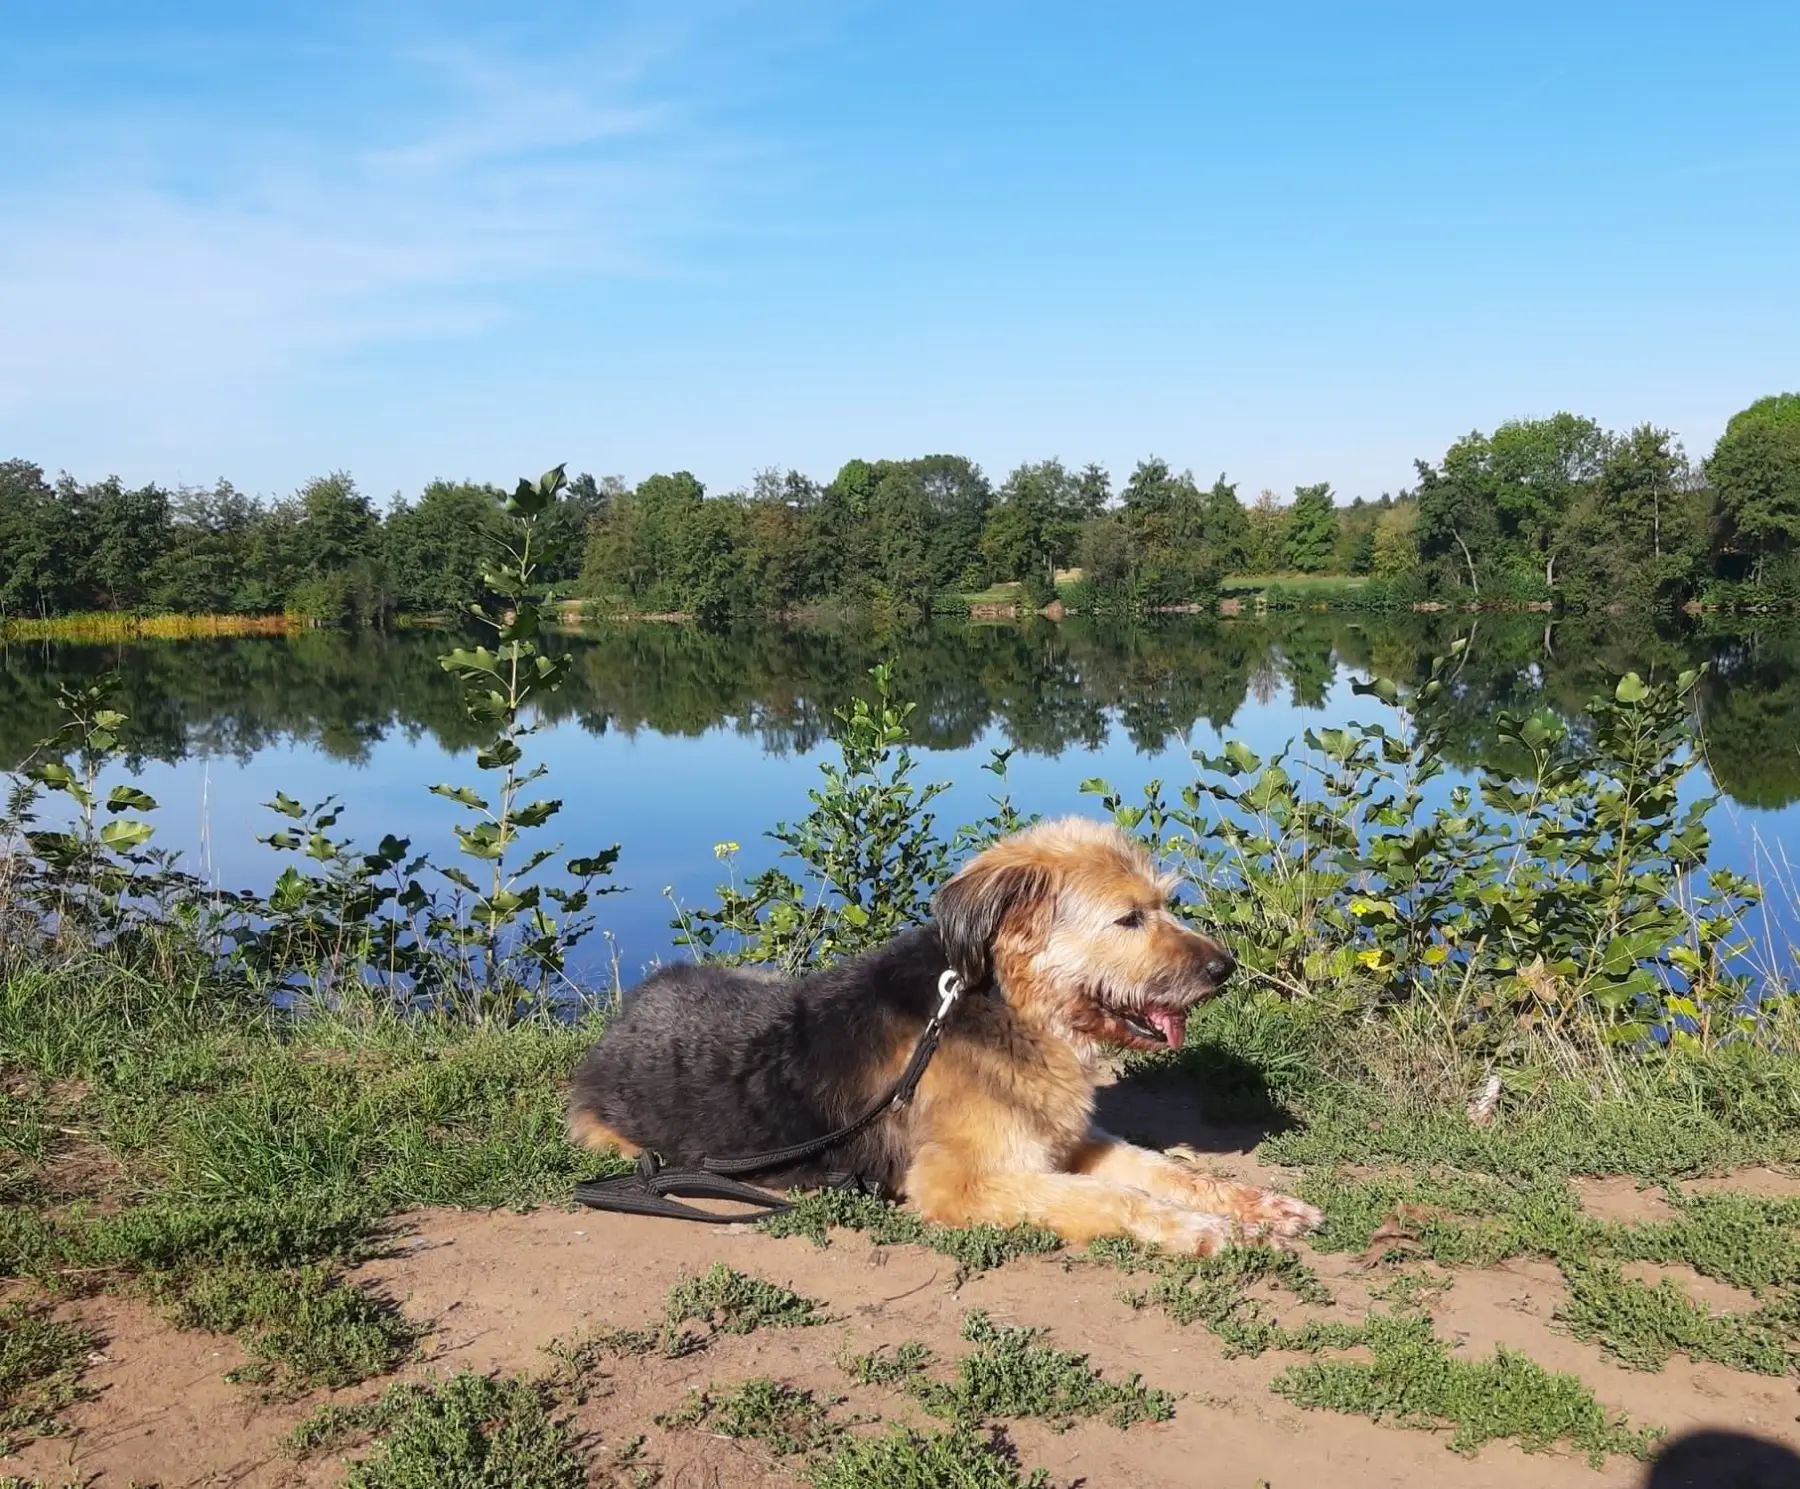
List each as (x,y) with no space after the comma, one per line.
(1293,243)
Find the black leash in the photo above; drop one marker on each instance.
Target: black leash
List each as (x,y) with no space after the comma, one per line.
(655,1189)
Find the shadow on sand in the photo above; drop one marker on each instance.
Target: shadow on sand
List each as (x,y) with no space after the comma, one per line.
(1724,1460)
(1206,1097)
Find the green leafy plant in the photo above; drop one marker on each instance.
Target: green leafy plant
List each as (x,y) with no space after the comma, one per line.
(468,1430)
(1011,1372)
(41,1361)
(902,1458)
(97,876)
(785,1419)
(499,684)
(1413,1380)
(882,1367)
(975,1248)
(494,942)
(731,1302)
(869,853)
(302,1328)
(1571,894)
(343,925)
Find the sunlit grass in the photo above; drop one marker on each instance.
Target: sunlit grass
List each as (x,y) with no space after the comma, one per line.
(122,626)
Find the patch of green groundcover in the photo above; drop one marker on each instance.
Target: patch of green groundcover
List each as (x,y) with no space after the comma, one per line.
(467,1432)
(787,1420)
(41,1360)
(976,1248)
(1011,1372)
(733,1302)
(242,1156)
(903,1458)
(1413,1380)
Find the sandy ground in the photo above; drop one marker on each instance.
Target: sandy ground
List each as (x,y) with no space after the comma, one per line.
(495,1288)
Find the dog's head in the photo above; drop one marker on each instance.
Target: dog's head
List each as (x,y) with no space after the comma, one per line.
(1072,922)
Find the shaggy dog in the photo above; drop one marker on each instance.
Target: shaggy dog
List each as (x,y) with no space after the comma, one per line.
(1065,945)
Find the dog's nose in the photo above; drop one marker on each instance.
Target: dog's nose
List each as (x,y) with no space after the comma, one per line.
(1221,967)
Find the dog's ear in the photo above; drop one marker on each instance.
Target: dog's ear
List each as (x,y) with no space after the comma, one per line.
(972,907)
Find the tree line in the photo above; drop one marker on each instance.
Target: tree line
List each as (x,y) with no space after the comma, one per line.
(1540,510)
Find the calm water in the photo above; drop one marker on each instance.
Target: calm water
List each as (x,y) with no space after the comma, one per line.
(670,739)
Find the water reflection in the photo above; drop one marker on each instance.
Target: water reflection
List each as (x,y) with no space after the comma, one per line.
(1044,688)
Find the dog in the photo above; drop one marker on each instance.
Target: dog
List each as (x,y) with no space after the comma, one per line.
(1065,946)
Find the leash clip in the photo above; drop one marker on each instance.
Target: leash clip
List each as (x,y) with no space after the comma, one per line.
(950,988)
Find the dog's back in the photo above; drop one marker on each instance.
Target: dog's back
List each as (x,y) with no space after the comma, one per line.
(734,1061)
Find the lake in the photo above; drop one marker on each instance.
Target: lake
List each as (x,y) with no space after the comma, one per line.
(669,739)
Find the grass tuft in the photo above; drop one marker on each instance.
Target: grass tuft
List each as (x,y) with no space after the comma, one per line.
(578,1362)
(470,1431)
(1012,1373)
(901,1458)
(978,1248)
(784,1419)
(1414,1381)
(303,1328)
(1215,1291)
(731,1302)
(904,1364)
(1641,1326)
(40,1372)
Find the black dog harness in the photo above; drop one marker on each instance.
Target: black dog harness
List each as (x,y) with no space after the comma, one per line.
(656,1189)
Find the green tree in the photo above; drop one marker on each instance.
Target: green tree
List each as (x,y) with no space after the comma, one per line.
(1495,510)
(35,568)
(636,549)
(1268,521)
(1637,535)
(956,497)
(1354,552)
(566,524)
(1312,529)
(128,535)
(1224,527)
(1458,516)
(342,579)
(337,524)
(1164,518)
(1755,473)
(901,521)
(202,569)
(774,573)
(274,564)
(1034,523)
(708,558)
(1536,468)
(1104,549)
(1396,547)
(439,548)
(1093,490)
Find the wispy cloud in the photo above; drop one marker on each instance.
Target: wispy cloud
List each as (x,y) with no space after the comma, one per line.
(499,166)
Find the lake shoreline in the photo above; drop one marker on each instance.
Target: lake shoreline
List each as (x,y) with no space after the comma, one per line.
(578,612)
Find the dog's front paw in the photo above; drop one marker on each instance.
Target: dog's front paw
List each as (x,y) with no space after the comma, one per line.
(1195,1235)
(1284,1215)
(1261,1212)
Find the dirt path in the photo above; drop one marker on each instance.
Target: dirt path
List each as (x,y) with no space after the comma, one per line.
(494,1289)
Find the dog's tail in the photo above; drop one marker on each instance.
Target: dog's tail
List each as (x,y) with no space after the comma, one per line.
(588,1131)
(586,1127)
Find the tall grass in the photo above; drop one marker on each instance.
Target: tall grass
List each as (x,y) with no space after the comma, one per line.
(103,626)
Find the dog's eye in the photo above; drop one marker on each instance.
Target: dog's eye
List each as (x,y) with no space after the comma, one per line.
(1131,921)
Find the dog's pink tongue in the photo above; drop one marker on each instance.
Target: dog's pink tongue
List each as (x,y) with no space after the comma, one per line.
(1172,1023)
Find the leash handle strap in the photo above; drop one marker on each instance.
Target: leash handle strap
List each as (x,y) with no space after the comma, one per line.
(652,1190)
